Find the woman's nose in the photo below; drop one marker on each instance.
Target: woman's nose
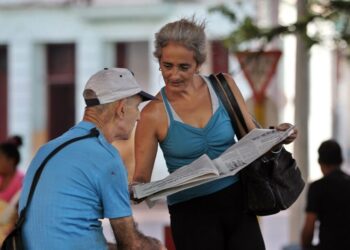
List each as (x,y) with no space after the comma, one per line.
(174,74)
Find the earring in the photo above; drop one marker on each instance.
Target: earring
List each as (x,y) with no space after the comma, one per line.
(160,69)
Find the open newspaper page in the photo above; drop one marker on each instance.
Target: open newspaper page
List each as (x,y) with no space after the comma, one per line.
(248,149)
(183,178)
(256,143)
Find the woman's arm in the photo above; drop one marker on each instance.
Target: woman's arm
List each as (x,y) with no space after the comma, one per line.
(146,142)
(248,118)
(308,230)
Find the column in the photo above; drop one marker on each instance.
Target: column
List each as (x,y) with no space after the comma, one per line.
(89,58)
(20,95)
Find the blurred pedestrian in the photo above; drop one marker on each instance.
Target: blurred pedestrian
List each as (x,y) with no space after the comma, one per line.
(11,179)
(328,203)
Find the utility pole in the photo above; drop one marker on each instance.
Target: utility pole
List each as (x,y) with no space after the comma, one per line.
(302,106)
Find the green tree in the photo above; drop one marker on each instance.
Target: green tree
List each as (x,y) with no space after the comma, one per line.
(317,12)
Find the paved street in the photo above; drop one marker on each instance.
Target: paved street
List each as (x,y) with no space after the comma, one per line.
(152,222)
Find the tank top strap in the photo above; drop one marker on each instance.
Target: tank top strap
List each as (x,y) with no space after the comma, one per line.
(214,98)
(167,106)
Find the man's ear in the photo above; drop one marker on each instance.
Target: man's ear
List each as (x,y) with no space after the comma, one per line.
(119,108)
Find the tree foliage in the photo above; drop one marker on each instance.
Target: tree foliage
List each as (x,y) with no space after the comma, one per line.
(317,11)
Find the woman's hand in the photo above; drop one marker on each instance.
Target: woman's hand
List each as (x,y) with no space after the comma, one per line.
(292,136)
(131,193)
(283,127)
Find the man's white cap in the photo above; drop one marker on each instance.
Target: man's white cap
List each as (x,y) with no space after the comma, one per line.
(113,84)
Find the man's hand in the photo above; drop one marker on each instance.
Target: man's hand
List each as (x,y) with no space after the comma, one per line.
(152,244)
(129,238)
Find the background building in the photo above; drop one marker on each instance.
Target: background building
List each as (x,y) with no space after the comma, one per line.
(48,50)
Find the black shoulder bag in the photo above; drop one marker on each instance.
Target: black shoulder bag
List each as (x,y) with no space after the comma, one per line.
(269,186)
(14,240)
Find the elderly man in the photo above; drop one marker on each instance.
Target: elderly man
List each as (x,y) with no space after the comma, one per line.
(86,180)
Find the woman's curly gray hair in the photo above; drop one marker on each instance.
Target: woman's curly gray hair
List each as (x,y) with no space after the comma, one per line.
(188,32)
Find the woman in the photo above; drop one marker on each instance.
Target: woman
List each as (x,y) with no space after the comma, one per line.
(10,184)
(10,178)
(188,120)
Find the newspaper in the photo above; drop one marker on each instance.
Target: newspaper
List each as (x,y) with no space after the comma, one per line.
(256,143)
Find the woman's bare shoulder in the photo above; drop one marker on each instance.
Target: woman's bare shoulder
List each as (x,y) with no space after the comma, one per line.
(154,118)
(154,109)
(232,83)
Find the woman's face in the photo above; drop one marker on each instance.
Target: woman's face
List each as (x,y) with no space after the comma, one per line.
(178,65)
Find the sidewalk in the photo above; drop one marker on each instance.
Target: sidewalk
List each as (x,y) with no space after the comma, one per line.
(153,222)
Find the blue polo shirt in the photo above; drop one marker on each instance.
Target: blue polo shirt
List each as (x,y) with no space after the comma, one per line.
(82,183)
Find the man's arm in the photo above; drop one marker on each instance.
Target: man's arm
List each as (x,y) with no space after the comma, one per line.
(308,230)
(128,237)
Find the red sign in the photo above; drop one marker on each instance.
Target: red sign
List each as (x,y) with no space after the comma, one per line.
(259,67)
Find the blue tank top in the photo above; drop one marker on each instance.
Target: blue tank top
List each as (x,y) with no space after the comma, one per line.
(185,143)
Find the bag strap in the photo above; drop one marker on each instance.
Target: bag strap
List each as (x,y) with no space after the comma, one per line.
(93,133)
(230,103)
